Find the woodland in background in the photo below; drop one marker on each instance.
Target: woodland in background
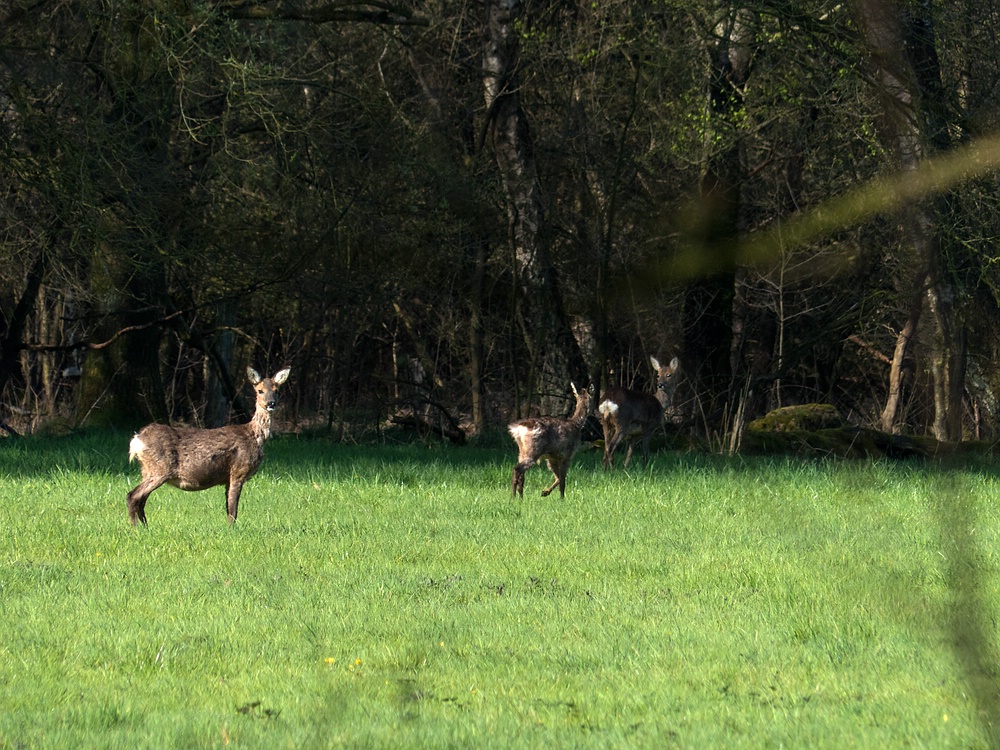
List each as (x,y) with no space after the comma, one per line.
(444,212)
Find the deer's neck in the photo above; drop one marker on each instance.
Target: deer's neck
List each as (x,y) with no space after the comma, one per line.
(260,425)
(664,398)
(580,413)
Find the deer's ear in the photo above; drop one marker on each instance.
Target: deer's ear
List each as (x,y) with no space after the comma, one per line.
(573,386)
(653,361)
(253,376)
(675,364)
(281,376)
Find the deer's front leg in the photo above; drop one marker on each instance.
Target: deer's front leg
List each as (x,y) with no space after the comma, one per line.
(558,468)
(233,499)
(645,447)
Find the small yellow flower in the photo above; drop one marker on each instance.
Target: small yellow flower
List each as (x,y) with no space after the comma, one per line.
(357,662)
(330,660)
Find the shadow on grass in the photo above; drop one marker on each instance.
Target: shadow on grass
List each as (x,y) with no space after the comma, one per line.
(104,451)
(971,620)
(87,451)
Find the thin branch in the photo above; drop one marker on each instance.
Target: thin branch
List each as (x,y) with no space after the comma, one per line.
(103,344)
(336,11)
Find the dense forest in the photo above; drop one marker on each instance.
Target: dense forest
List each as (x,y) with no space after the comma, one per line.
(440,214)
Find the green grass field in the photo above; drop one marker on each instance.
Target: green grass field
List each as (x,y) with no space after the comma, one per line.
(397,597)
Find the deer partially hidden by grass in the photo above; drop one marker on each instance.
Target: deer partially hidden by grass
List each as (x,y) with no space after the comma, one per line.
(553,438)
(196,459)
(626,415)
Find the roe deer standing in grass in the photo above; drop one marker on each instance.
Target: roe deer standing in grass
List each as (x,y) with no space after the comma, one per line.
(553,438)
(629,414)
(195,459)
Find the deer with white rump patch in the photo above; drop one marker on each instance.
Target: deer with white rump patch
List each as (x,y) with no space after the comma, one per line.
(626,414)
(553,438)
(195,459)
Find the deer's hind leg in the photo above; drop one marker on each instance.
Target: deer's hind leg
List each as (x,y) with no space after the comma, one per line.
(610,446)
(136,500)
(517,479)
(628,454)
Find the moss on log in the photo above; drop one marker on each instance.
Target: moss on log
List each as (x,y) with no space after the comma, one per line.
(819,430)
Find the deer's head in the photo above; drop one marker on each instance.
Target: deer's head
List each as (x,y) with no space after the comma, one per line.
(666,380)
(267,388)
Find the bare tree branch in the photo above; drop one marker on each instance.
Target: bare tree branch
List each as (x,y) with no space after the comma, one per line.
(336,11)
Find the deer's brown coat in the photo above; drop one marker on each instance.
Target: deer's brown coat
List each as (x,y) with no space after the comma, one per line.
(553,438)
(627,414)
(196,459)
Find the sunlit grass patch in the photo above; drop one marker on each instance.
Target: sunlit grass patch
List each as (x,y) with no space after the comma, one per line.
(399,597)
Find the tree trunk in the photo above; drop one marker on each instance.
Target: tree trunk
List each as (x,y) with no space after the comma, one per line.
(754,342)
(219,368)
(708,302)
(905,73)
(476,335)
(890,414)
(13,335)
(555,354)
(121,385)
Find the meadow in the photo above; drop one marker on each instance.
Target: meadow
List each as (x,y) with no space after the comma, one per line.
(396,596)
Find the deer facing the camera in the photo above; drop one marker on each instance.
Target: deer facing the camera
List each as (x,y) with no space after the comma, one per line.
(626,415)
(553,438)
(195,459)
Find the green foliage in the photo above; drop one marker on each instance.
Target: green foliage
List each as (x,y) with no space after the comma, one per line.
(326,180)
(398,597)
